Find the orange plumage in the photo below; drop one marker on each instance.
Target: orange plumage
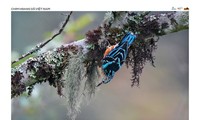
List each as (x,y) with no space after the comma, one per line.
(108,50)
(104,55)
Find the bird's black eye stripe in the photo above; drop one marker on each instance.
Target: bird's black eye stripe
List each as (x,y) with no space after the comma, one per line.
(112,62)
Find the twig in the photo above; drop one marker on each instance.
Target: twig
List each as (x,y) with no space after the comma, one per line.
(51,66)
(39,46)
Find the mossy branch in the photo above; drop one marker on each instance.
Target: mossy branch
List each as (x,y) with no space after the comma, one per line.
(74,66)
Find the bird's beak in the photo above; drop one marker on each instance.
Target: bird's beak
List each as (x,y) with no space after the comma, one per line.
(99,84)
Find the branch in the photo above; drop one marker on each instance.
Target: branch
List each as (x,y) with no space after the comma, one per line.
(75,67)
(53,63)
(39,46)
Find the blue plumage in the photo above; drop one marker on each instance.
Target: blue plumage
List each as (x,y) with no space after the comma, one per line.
(113,61)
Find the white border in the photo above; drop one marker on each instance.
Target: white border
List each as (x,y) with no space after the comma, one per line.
(102,5)
(99,5)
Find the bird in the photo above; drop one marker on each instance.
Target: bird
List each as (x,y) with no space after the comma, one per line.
(115,56)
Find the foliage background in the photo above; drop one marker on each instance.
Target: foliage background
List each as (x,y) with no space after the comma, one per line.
(162,94)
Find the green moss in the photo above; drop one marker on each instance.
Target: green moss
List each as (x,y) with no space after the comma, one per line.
(22,61)
(179,28)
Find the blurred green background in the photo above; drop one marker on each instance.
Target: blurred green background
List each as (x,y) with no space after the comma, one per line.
(163,90)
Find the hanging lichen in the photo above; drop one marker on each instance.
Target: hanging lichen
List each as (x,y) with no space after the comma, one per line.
(79,82)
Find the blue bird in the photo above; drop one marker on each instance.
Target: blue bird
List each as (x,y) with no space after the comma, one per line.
(115,56)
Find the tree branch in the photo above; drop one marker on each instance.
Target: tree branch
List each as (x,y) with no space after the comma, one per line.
(75,67)
(39,46)
(50,66)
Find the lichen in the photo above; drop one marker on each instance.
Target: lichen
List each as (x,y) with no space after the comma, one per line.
(92,76)
(143,24)
(48,66)
(73,76)
(17,86)
(93,36)
(73,68)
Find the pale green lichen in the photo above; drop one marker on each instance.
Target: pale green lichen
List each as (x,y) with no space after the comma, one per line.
(109,18)
(46,67)
(180,22)
(74,76)
(79,83)
(182,18)
(91,80)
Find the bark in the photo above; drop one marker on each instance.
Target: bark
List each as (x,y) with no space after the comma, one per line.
(55,66)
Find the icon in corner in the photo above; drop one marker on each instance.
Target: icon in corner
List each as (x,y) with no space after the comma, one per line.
(180,8)
(186,8)
(173,8)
